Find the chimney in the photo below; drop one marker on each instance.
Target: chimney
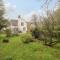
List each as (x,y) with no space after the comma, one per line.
(19,17)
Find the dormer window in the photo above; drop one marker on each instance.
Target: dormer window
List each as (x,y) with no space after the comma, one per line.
(22,24)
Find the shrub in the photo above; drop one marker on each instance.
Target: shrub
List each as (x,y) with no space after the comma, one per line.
(9,58)
(6,40)
(8,32)
(28,38)
(51,38)
(36,33)
(17,34)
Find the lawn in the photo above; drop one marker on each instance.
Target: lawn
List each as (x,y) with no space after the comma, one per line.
(17,50)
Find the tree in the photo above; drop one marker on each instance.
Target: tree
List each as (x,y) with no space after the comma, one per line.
(3,22)
(34,19)
(49,28)
(1,9)
(57,17)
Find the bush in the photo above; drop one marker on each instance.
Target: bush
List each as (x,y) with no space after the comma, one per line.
(36,33)
(28,38)
(17,34)
(8,32)
(52,38)
(9,58)
(6,40)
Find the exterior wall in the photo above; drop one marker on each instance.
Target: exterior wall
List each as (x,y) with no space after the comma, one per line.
(22,28)
(19,27)
(14,29)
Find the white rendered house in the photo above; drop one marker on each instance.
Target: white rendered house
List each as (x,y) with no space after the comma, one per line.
(22,25)
(18,25)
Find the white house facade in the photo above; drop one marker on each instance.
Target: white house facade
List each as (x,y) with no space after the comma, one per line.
(22,25)
(18,25)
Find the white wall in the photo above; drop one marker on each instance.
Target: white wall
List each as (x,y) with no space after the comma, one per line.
(20,27)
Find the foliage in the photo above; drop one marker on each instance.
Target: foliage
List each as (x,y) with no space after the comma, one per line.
(5,40)
(50,24)
(36,33)
(27,38)
(3,22)
(9,58)
(8,32)
(1,9)
(16,50)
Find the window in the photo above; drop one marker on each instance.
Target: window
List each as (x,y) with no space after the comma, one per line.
(24,29)
(15,29)
(22,24)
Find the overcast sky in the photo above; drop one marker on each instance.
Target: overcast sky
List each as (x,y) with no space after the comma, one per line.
(24,7)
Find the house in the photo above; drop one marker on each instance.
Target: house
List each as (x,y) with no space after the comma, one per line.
(18,25)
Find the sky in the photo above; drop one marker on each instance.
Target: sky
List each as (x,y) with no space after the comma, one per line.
(25,7)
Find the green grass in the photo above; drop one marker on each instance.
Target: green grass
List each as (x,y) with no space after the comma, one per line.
(17,50)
